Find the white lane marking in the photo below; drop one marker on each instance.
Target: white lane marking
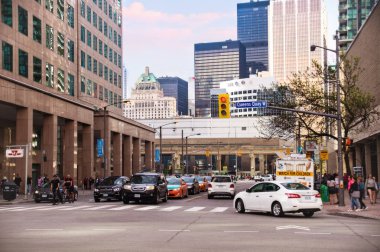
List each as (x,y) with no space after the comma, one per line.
(10,208)
(147,208)
(52,208)
(193,198)
(375,235)
(98,207)
(237,231)
(194,209)
(308,233)
(174,230)
(109,229)
(26,208)
(219,209)
(120,208)
(172,208)
(292,227)
(43,229)
(73,208)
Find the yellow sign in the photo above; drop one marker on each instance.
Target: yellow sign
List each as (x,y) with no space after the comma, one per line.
(207,153)
(324,155)
(287,151)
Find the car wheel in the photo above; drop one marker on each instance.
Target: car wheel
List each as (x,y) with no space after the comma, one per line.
(125,200)
(157,198)
(308,214)
(240,206)
(277,210)
(209,196)
(97,199)
(165,199)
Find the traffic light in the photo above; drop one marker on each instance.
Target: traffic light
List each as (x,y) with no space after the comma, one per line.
(224,105)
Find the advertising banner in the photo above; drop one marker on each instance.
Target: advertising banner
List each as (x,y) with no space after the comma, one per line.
(296,170)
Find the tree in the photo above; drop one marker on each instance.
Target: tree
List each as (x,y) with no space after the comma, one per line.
(305,91)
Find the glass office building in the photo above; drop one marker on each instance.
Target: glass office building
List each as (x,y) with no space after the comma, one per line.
(213,63)
(252,28)
(177,88)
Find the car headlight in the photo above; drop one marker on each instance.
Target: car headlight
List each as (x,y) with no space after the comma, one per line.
(36,192)
(190,186)
(150,187)
(96,190)
(116,189)
(127,187)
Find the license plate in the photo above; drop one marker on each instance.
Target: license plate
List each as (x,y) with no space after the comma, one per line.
(307,197)
(44,196)
(137,195)
(6,187)
(220,186)
(105,194)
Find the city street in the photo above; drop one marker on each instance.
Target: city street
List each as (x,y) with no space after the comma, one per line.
(193,224)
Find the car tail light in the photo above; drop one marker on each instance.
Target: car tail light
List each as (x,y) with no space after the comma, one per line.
(209,185)
(293,195)
(318,195)
(232,186)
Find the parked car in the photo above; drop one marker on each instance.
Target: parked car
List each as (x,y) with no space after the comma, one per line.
(192,185)
(110,188)
(267,177)
(145,187)
(221,185)
(257,177)
(177,188)
(203,183)
(279,198)
(43,193)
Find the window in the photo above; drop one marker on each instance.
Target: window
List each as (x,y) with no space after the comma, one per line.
(70,50)
(101,93)
(61,9)
(89,63)
(49,37)
(22,21)
(95,43)
(105,72)
(110,32)
(100,26)
(95,2)
(7,56)
(111,76)
(95,68)
(82,84)
(89,38)
(105,29)
(100,69)
(100,47)
(89,14)
(95,86)
(94,19)
(115,58)
(119,20)
(70,84)
(49,5)
(89,87)
(38,1)
(110,11)
(36,29)
(61,44)
(115,79)
(70,15)
(114,16)
(119,79)
(49,75)
(100,4)
(22,63)
(119,61)
(82,8)
(119,40)
(110,54)
(110,97)
(115,37)
(37,70)
(61,80)
(106,51)
(6,12)
(105,94)
(82,59)
(82,34)
(105,7)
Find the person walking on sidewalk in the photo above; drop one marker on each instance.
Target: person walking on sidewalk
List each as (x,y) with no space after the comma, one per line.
(332,189)
(355,195)
(371,188)
(362,193)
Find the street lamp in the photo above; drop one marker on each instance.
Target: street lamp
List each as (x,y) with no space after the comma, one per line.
(338,118)
(105,133)
(187,158)
(160,127)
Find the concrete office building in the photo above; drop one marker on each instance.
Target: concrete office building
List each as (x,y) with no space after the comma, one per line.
(177,88)
(294,25)
(252,31)
(60,91)
(213,63)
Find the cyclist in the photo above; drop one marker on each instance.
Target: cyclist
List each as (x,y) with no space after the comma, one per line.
(69,188)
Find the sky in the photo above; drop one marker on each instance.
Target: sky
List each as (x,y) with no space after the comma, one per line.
(161,33)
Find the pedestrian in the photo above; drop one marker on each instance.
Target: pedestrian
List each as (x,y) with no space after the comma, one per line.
(85,183)
(355,195)
(54,188)
(362,193)
(332,189)
(40,181)
(18,181)
(350,182)
(29,184)
(371,188)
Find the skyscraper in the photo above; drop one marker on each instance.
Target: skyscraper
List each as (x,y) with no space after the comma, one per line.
(252,28)
(177,88)
(215,62)
(352,14)
(294,25)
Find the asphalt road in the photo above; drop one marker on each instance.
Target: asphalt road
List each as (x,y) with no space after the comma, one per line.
(193,224)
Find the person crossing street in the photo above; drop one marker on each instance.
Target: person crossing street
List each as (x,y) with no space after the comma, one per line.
(54,188)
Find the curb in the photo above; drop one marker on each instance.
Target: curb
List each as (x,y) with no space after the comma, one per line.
(342,214)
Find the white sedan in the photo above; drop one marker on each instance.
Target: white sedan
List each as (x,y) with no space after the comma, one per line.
(279,198)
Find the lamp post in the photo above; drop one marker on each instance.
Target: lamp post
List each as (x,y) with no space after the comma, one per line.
(339,116)
(187,157)
(105,134)
(160,127)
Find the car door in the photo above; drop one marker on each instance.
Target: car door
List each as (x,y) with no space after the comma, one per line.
(254,197)
(268,195)
(161,187)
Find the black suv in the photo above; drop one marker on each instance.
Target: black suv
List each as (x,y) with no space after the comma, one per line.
(110,188)
(145,187)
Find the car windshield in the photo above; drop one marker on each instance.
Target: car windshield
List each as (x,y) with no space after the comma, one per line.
(295,186)
(144,179)
(200,179)
(174,181)
(109,181)
(188,179)
(221,179)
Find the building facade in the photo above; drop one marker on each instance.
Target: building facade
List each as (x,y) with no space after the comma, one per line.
(213,63)
(125,83)
(295,25)
(177,88)
(147,100)
(60,92)
(252,31)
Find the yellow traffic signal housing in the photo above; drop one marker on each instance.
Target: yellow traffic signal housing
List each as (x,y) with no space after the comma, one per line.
(224,105)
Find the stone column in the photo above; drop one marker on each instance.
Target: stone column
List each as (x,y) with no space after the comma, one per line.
(127,156)
(367,159)
(148,155)
(253,164)
(219,162)
(70,149)
(136,155)
(87,153)
(24,135)
(49,145)
(117,152)
(107,149)
(262,163)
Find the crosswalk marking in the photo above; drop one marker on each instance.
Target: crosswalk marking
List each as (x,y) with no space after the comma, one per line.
(26,208)
(10,208)
(147,208)
(52,208)
(99,207)
(121,208)
(195,209)
(73,208)
(219,209)
(169,209)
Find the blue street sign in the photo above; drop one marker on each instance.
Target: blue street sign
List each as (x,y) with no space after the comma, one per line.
(157,155)
(99,147)
(251,104)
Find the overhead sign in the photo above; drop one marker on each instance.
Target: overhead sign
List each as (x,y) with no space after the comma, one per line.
(251,104)
(14,153)
(100,147)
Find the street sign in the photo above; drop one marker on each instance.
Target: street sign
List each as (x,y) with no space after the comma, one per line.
(157,155)
(251,104)
(324,155)
(99,147)
(14,153)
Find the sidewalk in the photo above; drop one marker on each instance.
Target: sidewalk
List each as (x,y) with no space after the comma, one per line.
(373,211)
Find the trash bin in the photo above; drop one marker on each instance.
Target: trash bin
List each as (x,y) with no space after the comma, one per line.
(324,193)
(9,191)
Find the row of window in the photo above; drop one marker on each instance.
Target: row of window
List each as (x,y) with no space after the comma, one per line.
(113,15)
(90,88)
(60,42)
(23,70)
(97,45)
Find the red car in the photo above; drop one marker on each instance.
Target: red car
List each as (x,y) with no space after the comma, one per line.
(177,188)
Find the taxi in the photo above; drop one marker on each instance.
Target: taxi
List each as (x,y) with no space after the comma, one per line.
(177,188)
